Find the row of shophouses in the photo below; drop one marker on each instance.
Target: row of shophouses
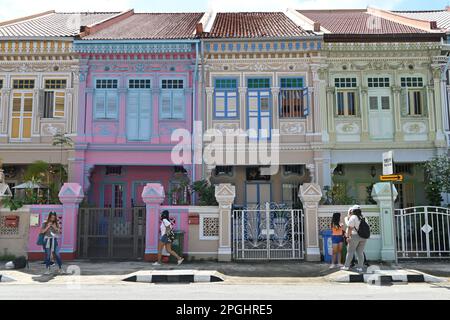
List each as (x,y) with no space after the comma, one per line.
(340,86)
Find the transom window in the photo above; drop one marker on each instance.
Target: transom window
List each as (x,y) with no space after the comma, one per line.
(113,170)
(292,83)
(345,83)
(106,83)
(56,84)
(378,82)
(226,84)
(139,84)
(225,98)
(224,170)
(172,84)
(23,84)
(262,83)
(293,98)
(415,82)
(294,169)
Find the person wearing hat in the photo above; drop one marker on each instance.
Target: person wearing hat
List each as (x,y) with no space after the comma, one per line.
(164,240)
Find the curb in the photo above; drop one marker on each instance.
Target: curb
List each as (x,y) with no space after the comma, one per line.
(174,277)
(4,278)
(388,277)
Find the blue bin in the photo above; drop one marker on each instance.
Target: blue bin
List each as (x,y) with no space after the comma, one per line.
(327,246)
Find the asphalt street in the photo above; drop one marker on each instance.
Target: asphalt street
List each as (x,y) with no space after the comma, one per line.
(223,291)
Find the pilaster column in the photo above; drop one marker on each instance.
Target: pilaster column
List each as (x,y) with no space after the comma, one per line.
(312,112)
(431,112)
(70,111)
(318,83)
(310,195)
(36,116)
(225,194)
(438,106)
(398,134)
(381,193)
(243,107)
(70,195)
(89,116)
(321,96)
(364,115)
(121,137)
(155,115)
(153,196)
(209,107)
(6,98)
(275,114)
(330,112)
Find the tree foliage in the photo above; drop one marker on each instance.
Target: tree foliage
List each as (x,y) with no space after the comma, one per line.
(437,176)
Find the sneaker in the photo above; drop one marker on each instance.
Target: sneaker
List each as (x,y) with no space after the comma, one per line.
(156,263)
(47,272)
(360,270)
(332,266)
(340,265)
(345,268)
(180,261)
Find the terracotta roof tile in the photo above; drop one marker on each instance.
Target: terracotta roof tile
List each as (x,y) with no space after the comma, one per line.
(53,24)
(151,26)
(442,17)
(357,22)
(254,25)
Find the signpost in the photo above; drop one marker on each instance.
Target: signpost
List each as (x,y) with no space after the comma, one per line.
(388,175)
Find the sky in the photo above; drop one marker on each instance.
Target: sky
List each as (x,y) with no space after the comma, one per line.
(18,8)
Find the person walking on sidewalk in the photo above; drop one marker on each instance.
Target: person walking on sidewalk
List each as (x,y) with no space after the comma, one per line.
(166,238)
(51,233)
(337,238)
(356,244)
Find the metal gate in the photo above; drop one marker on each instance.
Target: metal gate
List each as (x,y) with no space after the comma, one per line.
(111,233)
(423,232)
(268,234)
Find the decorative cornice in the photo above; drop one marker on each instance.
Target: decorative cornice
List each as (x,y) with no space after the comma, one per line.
(260,46)
(111,48)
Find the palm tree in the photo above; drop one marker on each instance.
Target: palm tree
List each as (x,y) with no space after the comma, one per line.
(62,140)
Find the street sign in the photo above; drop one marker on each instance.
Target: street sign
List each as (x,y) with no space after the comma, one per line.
(388,163)
(391,177)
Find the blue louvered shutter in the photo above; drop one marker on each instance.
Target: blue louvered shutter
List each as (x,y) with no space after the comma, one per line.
(145,119)
(99,105)
(166,102)
(111,104)
(133,115)
(178,104)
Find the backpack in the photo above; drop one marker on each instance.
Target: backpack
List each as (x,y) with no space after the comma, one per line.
(20,262)
(364,229)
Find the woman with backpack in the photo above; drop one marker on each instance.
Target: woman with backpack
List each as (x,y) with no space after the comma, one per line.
(337,239)
(166,238)
(356,243)
(51,232)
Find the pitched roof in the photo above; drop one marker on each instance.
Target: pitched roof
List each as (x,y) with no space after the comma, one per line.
(152,26)
(52,24)
(254,25)
(357,21)
(442,17)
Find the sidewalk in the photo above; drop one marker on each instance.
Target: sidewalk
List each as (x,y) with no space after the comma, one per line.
(262,269)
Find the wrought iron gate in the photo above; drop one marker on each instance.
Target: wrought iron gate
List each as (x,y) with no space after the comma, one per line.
(111,233)
(268,234)
(423,232)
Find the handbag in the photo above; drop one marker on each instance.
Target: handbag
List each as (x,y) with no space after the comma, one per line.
(170,234)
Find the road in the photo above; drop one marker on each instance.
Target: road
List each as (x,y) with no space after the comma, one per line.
(223,291)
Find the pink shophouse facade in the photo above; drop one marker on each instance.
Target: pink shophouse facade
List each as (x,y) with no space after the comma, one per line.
(137,86)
